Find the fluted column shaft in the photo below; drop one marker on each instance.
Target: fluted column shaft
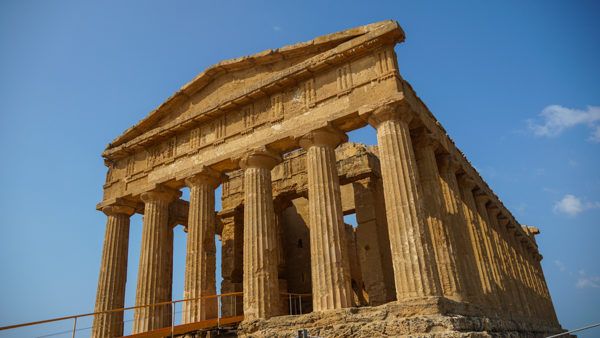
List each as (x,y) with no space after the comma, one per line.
(261,287)
(113,273)
(512,296)
(523,302)
(330,270)
(551,312)
(533,283)
(523,273)
(454,217)
(154,283)
(443,241)
(477,241)
(413,258)
(200,259)
(488,239)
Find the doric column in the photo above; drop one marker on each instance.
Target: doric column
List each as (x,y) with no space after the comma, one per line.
(441,233)
(154,284)
(522,303)
(481,200)
(524,278)
(470,212)
(200,260)
(492,256)
(413,258)
(534,280)
(330,268)
(551,312)
(113,273)
(261,289)
(512,297)
(454,218)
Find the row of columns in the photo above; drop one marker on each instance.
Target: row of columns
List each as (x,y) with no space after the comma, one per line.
(446,237)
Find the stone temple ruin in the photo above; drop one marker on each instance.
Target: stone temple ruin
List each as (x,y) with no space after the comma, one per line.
(434,252)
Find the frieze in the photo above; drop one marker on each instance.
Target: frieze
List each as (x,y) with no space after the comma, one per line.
(263,112)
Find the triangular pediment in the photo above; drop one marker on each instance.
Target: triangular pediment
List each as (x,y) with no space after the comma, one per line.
(228,81)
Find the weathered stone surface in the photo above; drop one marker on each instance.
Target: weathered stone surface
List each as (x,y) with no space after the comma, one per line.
(451,281)
(428,317)
(430,232)
(156,260)
(261,289)
(200,261)
(410,241)
(329,252)
(113,272)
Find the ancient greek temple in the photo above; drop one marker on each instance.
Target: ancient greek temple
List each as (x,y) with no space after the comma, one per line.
(434,250)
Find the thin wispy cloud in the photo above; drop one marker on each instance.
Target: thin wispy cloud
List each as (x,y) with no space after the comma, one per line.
(586,281)
(561,266)
(573,205)
(555,119)
(277,28)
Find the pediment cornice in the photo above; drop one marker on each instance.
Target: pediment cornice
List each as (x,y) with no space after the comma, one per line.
(344,45)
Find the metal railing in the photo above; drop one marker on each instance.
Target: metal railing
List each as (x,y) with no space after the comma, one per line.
(228,310)
(575,330)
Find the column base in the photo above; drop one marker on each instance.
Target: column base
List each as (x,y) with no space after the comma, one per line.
(424,317)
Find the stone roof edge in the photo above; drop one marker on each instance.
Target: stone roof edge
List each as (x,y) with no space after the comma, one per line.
(470,168)
(222,67)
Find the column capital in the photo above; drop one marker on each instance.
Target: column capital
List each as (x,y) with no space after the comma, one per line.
(466,181)
(481,197)
(493,211)
(424,138)
(503,221)
(160,193)
(260,158)
(206,175)
(447,163)
(115,210)
(397,110)
(328,136)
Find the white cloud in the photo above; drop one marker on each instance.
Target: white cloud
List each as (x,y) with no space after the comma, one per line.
(561,266)
(555,119)
(595,137)
(572,205)
(585,281)
(569,205)
(276,28)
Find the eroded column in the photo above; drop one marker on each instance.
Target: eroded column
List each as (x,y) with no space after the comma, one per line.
(113,273)
(512,297)
(498,289)
(524,279)
(200,261)
(413,258)
(514,274)
(441,234)
(455,219)
(330,268)
(153,286)
(475,233)
(261,289)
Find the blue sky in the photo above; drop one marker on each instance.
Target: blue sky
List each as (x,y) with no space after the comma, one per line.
(516,85)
